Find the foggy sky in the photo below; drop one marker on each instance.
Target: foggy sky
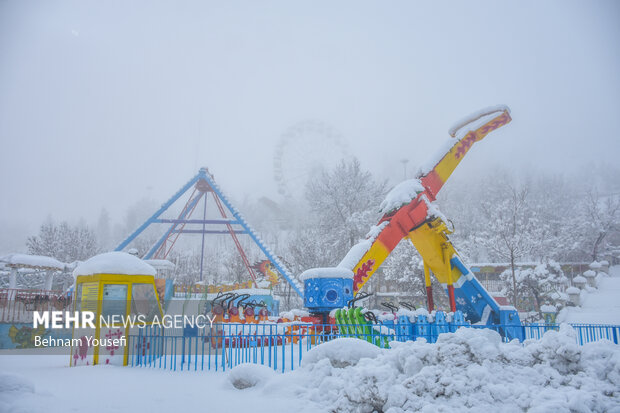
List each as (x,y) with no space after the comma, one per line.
(104,103)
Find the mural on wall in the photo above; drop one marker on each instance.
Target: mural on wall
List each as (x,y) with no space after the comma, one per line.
(22,335)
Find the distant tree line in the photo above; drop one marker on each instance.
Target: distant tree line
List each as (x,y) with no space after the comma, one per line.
(498,217)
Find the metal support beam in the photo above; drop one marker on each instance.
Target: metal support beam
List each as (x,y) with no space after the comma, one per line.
(208,231)
(161,210)
(196,221)
(274,260)
(177,225)
(189,207)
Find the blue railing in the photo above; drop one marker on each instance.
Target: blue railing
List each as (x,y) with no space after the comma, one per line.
(282,346)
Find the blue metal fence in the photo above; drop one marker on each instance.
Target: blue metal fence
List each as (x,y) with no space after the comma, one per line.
(282,346)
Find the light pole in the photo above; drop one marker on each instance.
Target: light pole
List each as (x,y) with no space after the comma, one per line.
(404,162)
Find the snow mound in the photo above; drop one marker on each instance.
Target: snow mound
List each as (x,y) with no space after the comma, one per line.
(597,306)
(341,352)
(401,194)
(115,262)
(249,375)
(467,371)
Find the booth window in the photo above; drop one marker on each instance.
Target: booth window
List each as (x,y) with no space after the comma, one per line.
(144,301)
(114,300)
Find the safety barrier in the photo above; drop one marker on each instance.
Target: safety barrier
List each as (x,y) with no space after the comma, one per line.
(17,306)
(282,346)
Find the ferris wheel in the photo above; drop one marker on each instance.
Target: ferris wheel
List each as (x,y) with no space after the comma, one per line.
(304,150)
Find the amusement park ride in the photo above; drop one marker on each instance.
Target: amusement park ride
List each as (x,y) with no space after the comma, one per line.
(230,222)
(408,213)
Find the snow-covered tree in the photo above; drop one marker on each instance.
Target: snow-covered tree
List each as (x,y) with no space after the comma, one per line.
(544,283)
(552,201)
(404,270)
(601,218)
(308,248)
(345,200)
(403,267)
(343,205)
(512,229)
(64,242)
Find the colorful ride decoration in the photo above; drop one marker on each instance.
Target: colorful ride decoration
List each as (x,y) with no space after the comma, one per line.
(113,286)
(239,315)
(327,288)
(409,213)
(268,271)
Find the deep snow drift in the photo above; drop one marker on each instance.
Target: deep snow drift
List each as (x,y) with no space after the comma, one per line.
(470,370)
(600,306)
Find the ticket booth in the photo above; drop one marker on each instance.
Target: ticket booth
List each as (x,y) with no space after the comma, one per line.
(117,287)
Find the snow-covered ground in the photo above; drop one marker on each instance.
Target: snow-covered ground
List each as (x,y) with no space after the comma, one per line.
(601,306)
(32,384)
(470,370)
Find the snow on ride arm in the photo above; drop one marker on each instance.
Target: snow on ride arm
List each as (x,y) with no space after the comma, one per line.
(406,206)
(472,129)
(365,257)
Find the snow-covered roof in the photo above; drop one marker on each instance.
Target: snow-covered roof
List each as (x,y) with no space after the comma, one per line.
(160,264)
(401,194)
(329,272)
(589,274)
(115,262)
(32,261)
(579,279)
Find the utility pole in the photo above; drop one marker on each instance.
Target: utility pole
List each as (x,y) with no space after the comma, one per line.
(404,162)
